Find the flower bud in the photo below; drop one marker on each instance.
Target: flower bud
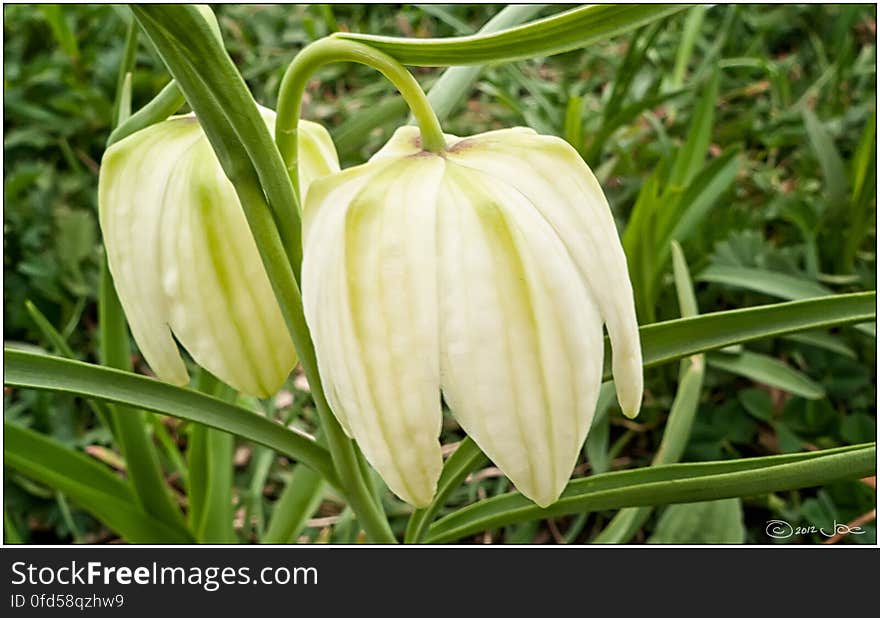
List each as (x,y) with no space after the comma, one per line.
(485,273)
(183,260)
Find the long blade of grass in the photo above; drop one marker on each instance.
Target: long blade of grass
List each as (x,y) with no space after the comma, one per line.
(42,372)
(663,342)
(686,47)
(864,194)
(772,283)
(825,341)
(768,370)
(570,30)
(669,484)
(86,482)
(833,168)
(61,30)
(210,461)
(693,152)
(300,498)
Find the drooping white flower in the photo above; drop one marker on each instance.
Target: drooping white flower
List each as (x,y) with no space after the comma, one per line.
(484,273)
(183,260)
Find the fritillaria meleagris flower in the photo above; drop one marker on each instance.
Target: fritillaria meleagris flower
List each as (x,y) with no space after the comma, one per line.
(485,273)
(183,260)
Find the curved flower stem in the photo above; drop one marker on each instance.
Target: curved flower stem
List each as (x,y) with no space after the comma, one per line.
(329,50)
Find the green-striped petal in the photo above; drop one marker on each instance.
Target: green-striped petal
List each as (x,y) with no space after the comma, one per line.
(184,262)
(371,303)
(484,272)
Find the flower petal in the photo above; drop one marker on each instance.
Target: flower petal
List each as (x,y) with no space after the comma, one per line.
(370,299)
(521,341)
(183,258)
(221,305)
(131,190)
(553,177)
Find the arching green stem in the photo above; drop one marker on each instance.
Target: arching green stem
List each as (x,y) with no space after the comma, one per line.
(326,51)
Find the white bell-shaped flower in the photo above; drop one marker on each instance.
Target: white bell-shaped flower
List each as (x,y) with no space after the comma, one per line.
(485,273)
(183,260)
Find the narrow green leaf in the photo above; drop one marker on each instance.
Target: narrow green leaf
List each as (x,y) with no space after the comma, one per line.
(101,410)
(772,283)
(41,372)
(48,331)
(572,29)
(573,130)
(826,341)
(667,341)
(197,466)
(833,169)
(122,101)
(701,195)
(684,287)
(633,62)
(681,415)
(215,525)
(300,498)
(670,484)
(211,462)
(767,370)
(86,482)
(25,443)
(686,47)
(639,244)
(693,152)
(863,161)
(67,517)
(863,202)
(124,110)
(61,29)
